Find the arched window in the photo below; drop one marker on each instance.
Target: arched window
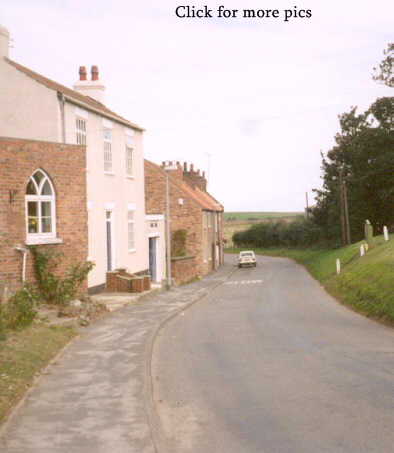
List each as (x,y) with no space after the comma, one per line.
(40,207)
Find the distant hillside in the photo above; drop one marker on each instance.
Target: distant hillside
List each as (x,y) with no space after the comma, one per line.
(253,216)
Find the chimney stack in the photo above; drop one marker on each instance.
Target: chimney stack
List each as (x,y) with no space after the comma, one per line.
(82,73)
(92,88)
(4,42)
(95,73)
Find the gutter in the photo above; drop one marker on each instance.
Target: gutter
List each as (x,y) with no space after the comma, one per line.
(24,251)
(98,111)
(62,100)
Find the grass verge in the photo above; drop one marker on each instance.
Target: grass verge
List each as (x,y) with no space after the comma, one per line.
(365,284)
(22,355)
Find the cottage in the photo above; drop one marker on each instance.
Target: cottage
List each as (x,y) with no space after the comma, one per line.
(195,218)
(34,107)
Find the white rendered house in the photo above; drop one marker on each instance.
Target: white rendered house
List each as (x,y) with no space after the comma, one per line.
(35,107)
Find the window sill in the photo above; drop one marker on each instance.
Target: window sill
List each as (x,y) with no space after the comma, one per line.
(132,250)
(109,173)
(130,176)
(43,240)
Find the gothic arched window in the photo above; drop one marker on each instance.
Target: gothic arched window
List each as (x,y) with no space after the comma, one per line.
(40,207)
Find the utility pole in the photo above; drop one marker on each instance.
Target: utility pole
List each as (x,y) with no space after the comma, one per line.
(307,206)
(167,167)
(342,205)
(346,213)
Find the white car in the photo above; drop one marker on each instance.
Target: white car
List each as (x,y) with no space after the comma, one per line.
(246,258)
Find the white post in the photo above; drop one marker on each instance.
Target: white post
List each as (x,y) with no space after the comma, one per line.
(386,233)
(338,266)
(362,250)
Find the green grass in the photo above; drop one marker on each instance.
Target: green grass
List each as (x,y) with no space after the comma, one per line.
(258,215)
(22,355)
(365,283)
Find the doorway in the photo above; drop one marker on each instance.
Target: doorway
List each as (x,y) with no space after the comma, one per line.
(110,241)
(153,259)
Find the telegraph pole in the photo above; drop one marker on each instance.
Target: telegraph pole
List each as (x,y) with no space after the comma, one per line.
(346,213)
(342,205)
(307,206)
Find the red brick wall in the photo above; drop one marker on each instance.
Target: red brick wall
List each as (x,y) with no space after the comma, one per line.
(187,216)
(184,269)
(65,165)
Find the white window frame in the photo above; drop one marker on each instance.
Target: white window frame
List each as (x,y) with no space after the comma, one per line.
(131,223)
(41,237)
(107,145)
(129,160)
(80,130)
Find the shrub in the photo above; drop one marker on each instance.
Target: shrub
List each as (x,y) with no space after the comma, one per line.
(178,243)
(20,310)
(2,322)
(53,289)
(300,233)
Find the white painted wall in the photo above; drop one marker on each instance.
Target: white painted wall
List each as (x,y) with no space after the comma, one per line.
(116,190)
(155,228)
(27,109)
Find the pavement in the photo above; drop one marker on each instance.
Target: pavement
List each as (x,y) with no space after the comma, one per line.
(97,395)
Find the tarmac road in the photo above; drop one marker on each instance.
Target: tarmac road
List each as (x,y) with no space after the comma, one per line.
(268,362)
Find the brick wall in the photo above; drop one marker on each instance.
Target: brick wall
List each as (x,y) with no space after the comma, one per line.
(186,216)
(65,165)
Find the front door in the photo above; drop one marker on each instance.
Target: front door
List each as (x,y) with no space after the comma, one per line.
(152,259)
(109,231)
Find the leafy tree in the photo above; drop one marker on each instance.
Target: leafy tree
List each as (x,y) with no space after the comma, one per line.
(385,72)
(364,153)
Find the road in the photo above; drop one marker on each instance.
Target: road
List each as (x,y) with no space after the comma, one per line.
(270,363)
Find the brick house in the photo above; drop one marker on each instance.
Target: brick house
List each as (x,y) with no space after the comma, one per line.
(196,219)
(39,203)
(37,108)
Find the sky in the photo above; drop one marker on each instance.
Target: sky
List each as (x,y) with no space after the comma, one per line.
(250,101)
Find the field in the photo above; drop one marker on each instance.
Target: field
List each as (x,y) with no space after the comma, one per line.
(240,221)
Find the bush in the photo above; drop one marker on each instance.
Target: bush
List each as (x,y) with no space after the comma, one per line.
(2,322)
(300,233)
(178,243)
(20,310)
(52,288)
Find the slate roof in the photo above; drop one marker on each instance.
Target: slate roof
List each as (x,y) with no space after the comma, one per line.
(87,100)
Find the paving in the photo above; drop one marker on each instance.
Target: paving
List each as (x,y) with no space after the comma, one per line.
(96,397)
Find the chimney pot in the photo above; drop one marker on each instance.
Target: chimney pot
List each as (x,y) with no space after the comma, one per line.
(184,166)
(95,73)
(192,167)
(82,73)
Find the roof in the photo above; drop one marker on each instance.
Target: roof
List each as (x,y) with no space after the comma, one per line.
(203,199)
(74,95)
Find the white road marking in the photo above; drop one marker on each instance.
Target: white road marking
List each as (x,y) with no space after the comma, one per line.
(243,282)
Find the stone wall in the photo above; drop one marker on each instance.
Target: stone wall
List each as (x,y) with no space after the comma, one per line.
(65,165)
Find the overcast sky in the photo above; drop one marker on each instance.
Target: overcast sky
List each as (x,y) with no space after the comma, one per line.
(252,100)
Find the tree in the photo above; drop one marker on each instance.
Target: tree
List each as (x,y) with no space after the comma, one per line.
(364,154)
(384,74)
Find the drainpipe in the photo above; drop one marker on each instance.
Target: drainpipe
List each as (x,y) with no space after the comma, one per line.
(24,251)
(62,101)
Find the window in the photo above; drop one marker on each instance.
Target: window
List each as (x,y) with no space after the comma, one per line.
(40,207)
(107,151)
(130,230)
(81,131)
(129,157)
